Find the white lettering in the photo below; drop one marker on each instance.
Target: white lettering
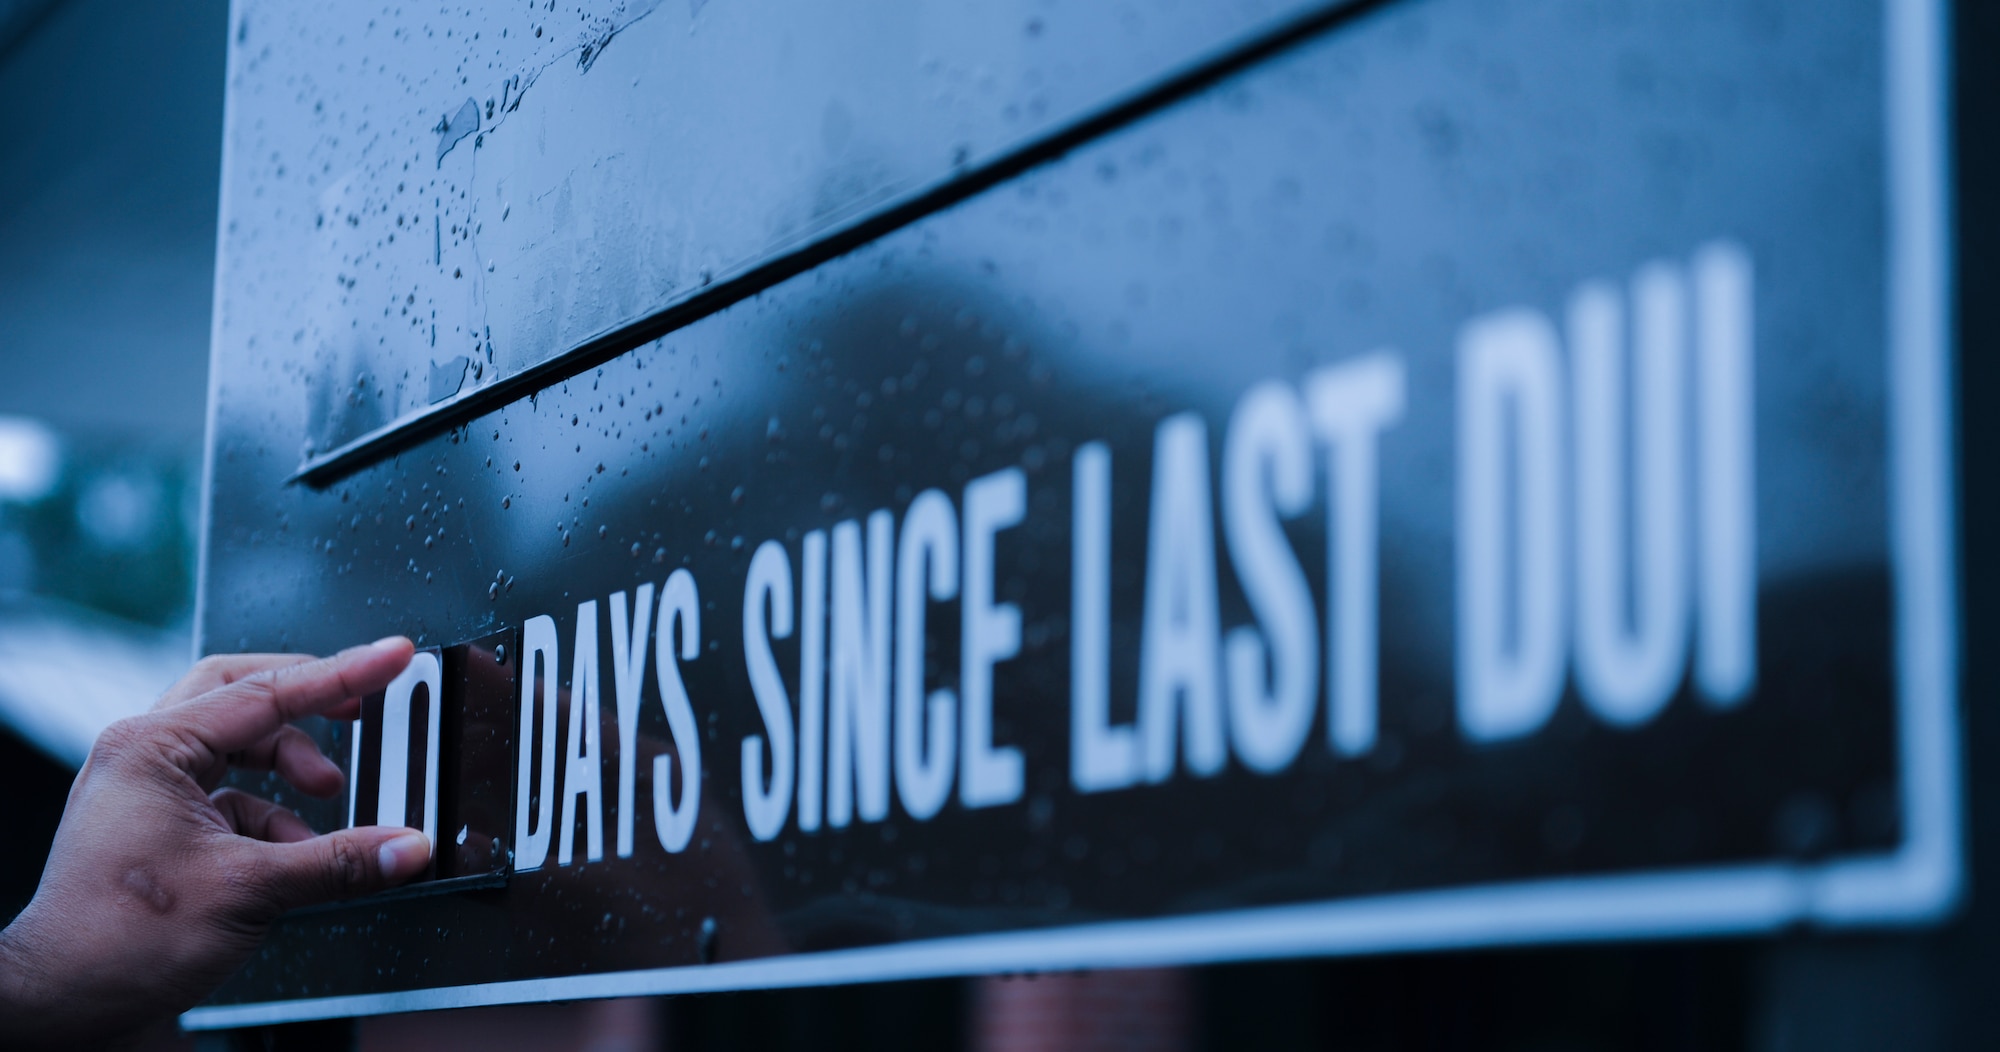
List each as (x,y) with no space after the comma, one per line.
(680,605)
(583,776)
(1509,401)
(769,581)
(628,670)
(1267,463)
(538,666)
(991,633)
(927,552)
(1351,405)
(858,696)
(1627,667)
(398,700)
(1102,756)
(1178,673)
(1726,653)
(812,682)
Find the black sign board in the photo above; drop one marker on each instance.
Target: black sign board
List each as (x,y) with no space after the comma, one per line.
(1476,474)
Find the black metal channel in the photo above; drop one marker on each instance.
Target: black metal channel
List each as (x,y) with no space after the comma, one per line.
(329,467)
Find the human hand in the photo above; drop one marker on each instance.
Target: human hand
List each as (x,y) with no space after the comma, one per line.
(159,885)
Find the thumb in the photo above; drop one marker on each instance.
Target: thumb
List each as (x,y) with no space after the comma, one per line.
(345,864)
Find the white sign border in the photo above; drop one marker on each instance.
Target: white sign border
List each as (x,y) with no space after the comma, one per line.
(1919,883)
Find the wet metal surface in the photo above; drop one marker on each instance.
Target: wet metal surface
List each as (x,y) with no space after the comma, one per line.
(419,183)
(1046,386)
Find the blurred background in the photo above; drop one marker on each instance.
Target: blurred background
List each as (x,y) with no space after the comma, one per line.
(113,138)
(110,140)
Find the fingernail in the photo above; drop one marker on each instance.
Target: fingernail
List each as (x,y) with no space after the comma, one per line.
(390,643)
(405,856)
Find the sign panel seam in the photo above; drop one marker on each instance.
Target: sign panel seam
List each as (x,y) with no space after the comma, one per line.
(326,468)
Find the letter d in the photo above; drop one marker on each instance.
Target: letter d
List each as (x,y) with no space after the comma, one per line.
(1509,401)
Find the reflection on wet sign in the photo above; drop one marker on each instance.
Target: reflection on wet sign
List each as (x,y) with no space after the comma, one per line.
(1441,476)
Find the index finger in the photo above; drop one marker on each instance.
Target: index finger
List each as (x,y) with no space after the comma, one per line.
(244,712)
(220,670)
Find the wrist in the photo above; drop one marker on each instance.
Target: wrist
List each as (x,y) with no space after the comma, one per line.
(24,1016)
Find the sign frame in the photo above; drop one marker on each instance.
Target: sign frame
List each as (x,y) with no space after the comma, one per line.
(1920,882)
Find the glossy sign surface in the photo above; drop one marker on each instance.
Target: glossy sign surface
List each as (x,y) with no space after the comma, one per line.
(1477,476)
(428,199)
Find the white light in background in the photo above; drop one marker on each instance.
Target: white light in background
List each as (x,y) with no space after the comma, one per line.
(118,510)
(30,459)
